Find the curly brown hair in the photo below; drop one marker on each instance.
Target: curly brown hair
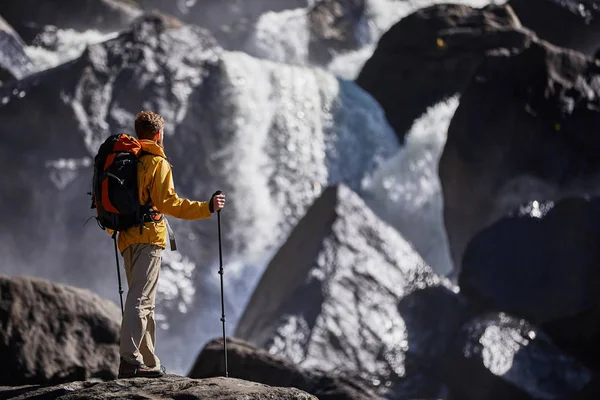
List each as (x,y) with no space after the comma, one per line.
(147,124)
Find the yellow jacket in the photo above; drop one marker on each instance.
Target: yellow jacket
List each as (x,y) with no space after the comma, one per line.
(155,182)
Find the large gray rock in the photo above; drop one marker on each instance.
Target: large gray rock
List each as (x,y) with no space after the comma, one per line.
(14,62)
(347,293)
(497,357)
(270,135)
(169,387)
(524,130)
(573,24)
(433,54)
(541,264)
(50,333)
(257,365)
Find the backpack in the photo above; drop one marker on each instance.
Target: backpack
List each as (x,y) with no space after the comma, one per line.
(114,184)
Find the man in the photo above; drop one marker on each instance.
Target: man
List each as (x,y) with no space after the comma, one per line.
(142,248)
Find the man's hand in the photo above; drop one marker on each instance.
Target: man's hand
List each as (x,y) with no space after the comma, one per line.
(217,202)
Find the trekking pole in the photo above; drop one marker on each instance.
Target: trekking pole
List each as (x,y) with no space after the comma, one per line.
(222,295)
(114,236)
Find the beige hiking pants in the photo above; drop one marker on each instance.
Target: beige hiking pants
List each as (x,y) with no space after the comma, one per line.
(142,267)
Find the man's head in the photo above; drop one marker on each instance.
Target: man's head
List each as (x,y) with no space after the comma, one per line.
(149,125)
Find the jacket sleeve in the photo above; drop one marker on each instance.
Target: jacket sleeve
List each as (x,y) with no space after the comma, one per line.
(168,202)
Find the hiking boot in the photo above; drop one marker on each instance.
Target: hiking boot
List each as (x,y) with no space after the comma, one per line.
(127,370)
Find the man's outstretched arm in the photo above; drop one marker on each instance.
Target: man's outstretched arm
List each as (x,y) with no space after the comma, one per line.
(165,199)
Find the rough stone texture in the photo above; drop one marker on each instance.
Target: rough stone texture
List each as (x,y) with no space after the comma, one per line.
(347,293)
(542,264)
(524,131)
(318,131)
(104,15)
(573,24)
(169,387)
(51,333)
(433,54)
(498,357)
(14,62)
(252,364)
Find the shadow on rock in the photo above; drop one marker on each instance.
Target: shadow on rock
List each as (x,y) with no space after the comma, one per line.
(433,317)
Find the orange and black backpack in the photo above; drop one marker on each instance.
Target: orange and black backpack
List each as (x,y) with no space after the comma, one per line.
(114,184)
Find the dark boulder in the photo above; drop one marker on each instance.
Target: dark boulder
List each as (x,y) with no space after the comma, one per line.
(433,54)
(252,364)
(574,24)
(542,264)
(497,357)
(347,293)
(525,130)
(51,333)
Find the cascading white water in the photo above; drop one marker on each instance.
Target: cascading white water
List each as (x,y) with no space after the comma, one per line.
(406,190)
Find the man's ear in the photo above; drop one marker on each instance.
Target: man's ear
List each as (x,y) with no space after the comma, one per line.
(157,136)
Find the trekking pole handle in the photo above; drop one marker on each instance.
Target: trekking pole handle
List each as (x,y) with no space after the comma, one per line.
(218,192)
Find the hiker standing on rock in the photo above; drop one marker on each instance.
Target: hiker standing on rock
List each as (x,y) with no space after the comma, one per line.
(142,246)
